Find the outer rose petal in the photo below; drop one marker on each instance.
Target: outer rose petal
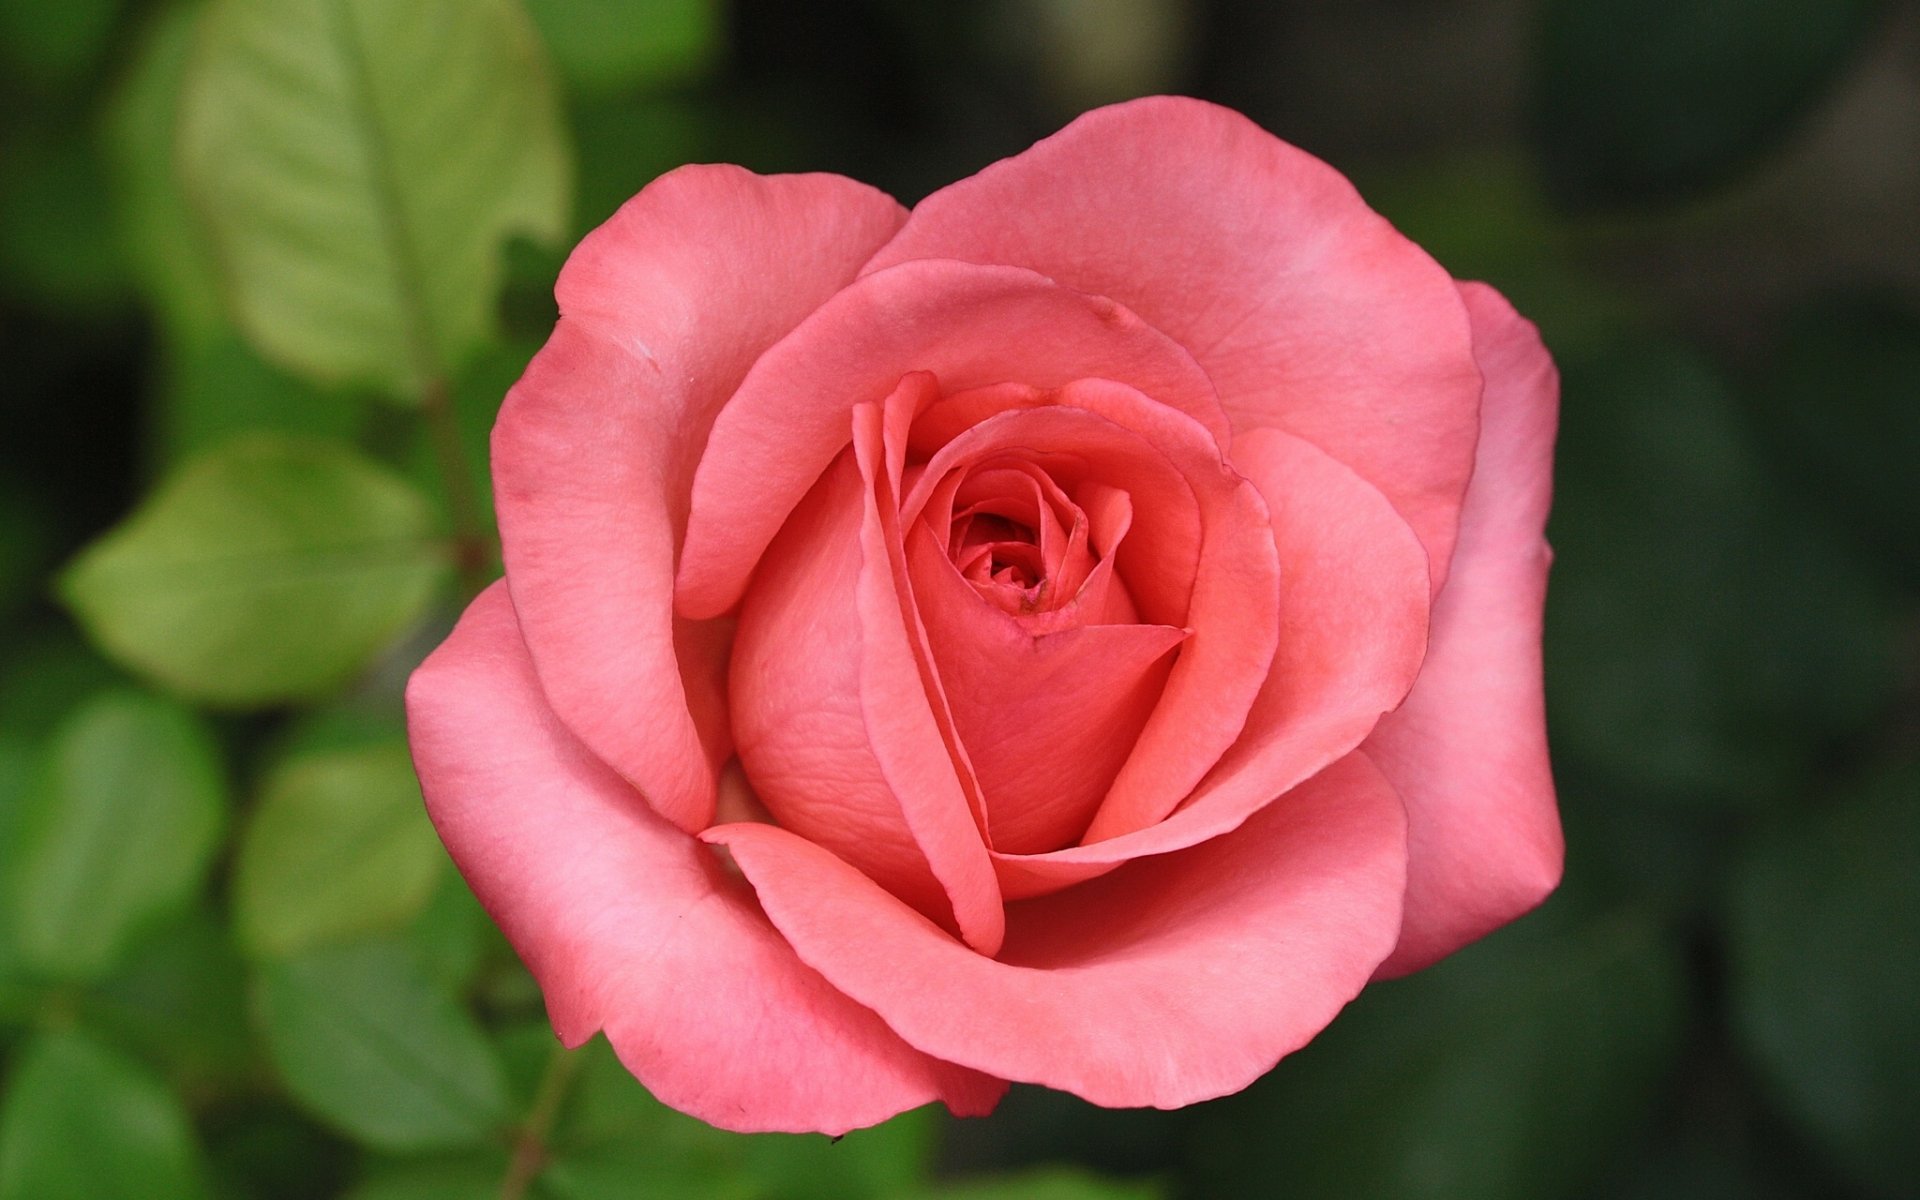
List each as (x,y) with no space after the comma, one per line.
(1306,308)
(630,925)
(1468,750)
(1170,981)
(594,452)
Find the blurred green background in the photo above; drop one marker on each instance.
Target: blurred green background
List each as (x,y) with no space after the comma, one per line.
(267,265)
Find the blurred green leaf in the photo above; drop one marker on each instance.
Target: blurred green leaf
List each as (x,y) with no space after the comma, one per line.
(611,1128)
(1839,411)
(215,387)
(603,46)
(24,547)
(264,1148)
(440,1181)
(269,569)
(452,934)
(1714,1140)
(612,1133)
(56,229)
(54,45)
(44,675)
(1645,100)
(360,163)
(1826,964)
(626,144)
(1510,1071)
(79,1122)
(477,395)
(1483,216)
(116,831)
(367,1041)
(1705,638)
(180,1000)
(165,244)
(16,777)
(1047,1183)
(338,846)
(616,1172)
(885,1160)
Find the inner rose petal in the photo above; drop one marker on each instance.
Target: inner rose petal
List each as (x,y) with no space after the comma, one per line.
(1199,556)
(1047,717)
(1018,538)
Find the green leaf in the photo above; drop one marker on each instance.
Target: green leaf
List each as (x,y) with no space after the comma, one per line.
(215,387)
(1484,216)
(1708,638)
(270,569)
(266,1148)
(1509,1072)
(16,777)
(881,1161)
(79,1122)
(1838,411)
(26,543)
(604,46)
(1825,932)
(1046,1183)
(452,934)
(477,396)
(360,163)
(616,1172)
(57,246)
(54,45)
(165,244)
(44,676)
(117,831)
(1642,100)
(368,1043)
(339,846)
(180,1001)
(455,1180)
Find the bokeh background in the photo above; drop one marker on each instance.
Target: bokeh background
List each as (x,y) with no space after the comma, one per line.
(235,963)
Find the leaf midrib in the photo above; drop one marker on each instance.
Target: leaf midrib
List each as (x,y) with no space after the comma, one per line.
(388,211)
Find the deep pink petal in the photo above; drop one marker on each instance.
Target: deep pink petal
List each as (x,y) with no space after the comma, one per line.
(1353,607)
(1468,750)
(798,721)
(630,925)
(1232,619)
(1047,719)
(1308,310)
(833,715)
(969,325)
(594,452)
(907,718)
(1169,981)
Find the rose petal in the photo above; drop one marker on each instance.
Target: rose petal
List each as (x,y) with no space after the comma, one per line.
(969,325)
(1046,718)
(1170,981)
(594,451)
(630,925)
(1199,555)
(905,707)
(833,715)
(1308,311)
(1468,750)
(1353,606)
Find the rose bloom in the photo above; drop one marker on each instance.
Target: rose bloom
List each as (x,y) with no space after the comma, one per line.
(1080,631)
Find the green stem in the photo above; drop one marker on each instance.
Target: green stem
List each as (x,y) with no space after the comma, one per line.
(530,1140)
(472,545)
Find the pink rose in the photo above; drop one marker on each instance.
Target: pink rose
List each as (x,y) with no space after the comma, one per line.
(1080,631)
